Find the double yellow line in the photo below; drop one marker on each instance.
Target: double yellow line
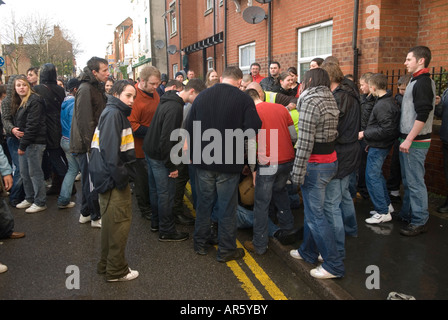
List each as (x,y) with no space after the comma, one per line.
(259,273)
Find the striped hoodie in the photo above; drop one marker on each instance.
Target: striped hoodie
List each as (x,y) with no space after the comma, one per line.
(112,149)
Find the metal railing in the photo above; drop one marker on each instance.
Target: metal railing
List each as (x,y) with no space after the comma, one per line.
(440,77)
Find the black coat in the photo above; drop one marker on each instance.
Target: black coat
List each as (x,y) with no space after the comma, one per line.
(383,127)
(53,95)
(30,119)
(347,146)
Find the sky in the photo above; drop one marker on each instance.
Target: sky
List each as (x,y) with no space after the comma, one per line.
(91,22)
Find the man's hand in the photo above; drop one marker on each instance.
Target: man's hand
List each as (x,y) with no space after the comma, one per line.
(7,182)
(174,174)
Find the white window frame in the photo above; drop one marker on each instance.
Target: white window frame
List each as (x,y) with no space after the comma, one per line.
(308,59)
(245,68)
(210,63)
(209,4)
(173,19)
(175,69)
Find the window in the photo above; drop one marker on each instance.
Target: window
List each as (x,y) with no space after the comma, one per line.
(173,21)
(209,4)
(247,57)
(175,69)
(210,64)
(314,41)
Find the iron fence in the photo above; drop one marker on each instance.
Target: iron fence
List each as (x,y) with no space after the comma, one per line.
(440,77)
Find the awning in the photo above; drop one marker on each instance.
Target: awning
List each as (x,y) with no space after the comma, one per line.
(142,62)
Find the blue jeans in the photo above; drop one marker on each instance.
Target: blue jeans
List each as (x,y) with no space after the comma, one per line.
(161,195)
(90,205)
(318,236)
(245,220)
(33,175)
(340,211)
(16,194)
(271,188)
(216,191)
(415,201)
(69,179)
(375,181)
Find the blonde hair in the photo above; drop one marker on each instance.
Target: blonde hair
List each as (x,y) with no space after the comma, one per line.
(17,102)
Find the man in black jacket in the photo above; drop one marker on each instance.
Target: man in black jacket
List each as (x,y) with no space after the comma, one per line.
(158,146)
(380,133)
(54,163)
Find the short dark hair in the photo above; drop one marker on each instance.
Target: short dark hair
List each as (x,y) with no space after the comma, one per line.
(292,70)
(94,63)
(319,61)
(234,73)
(275,62)
(119,86)
(33,69)
(378,80)
(174,82)
(253,93)
(255,64)
(422,52)
(315,78)
(197,84)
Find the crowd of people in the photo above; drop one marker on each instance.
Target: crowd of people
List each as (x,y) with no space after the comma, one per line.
(323,138)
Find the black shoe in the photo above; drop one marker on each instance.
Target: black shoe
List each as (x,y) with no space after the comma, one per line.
(286,236)
(411,230)
(183,220)
(154,228)
(443,208)
(201,251)
(173,237)
(213,233)
(237,254)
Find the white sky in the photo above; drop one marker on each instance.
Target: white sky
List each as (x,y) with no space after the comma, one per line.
(91,21)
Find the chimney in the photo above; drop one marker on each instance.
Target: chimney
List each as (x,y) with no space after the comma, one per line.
(21,40)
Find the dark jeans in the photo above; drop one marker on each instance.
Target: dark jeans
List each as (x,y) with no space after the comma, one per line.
(394,180)
(445,160)
(141,189)
(181,182)
(216,191)
(90,204)
(17,193)
(6,220)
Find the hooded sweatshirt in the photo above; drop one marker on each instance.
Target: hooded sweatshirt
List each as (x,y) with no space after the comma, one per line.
(53,95)
(90,101)
(168,117)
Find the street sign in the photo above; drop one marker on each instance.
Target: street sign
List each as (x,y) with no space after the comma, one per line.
(2,61)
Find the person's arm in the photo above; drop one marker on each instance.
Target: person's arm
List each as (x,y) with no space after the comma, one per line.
(418,126)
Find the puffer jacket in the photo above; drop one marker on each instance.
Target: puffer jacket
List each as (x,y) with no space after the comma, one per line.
(31,120)
(90,101)
(367,103)
(112,154)
(383,127)
(53,96)
(347,145)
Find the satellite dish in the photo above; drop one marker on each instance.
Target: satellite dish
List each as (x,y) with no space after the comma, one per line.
(254,15)
(172,49)
(159,44)
(263,1)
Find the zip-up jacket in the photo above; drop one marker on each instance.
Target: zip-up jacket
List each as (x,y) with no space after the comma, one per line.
(112,150)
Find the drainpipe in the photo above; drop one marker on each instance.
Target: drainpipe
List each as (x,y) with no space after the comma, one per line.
(180,38)
(355,42)
(225,34)
(270,34)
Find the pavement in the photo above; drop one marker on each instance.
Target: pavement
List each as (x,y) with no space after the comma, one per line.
(381,261)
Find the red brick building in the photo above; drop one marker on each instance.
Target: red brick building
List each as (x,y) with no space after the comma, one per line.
(293,32)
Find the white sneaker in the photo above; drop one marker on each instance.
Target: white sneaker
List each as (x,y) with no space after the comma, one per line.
(83,219)
(321,273)
(23,205)
(3,268)
(35,208)
(71,204)
(391,209)
(319,258)
(379,218)
(130,276)
(96,224)
(78,177)
(295,254)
